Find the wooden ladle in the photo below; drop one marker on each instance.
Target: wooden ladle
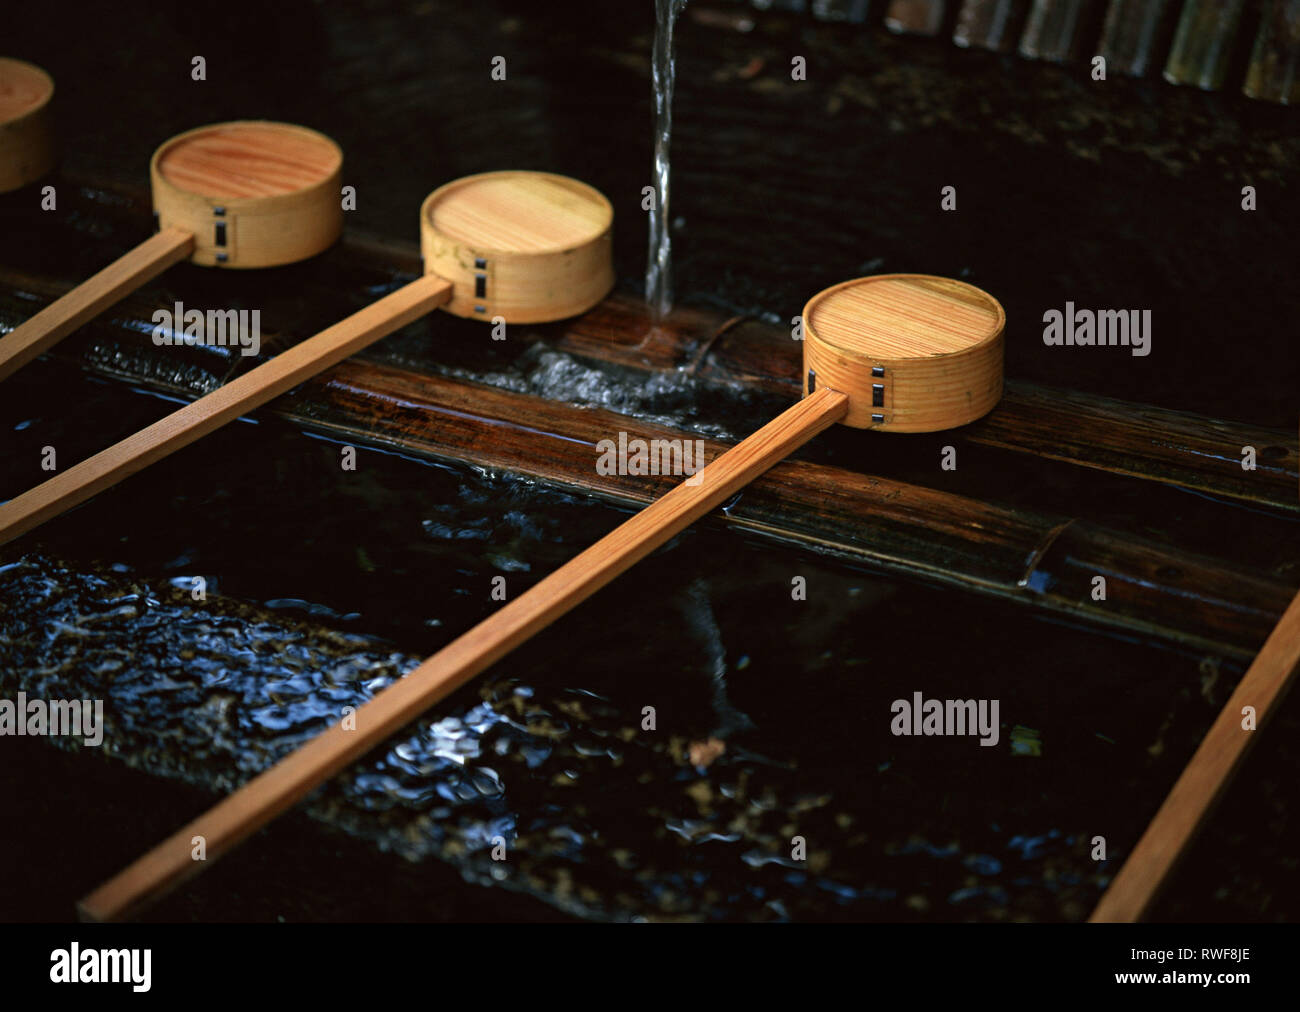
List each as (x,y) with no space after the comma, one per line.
(903,352)
(26,136)
(511,246)
(240,195)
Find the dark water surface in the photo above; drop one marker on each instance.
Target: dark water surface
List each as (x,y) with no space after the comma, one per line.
(601,818)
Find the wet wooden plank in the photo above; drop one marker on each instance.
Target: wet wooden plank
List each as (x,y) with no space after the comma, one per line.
(1047,562)
(1142,441)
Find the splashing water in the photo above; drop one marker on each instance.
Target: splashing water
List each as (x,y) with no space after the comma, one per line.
(658,274)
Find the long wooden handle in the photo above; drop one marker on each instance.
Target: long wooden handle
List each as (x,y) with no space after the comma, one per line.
(270,793)
(1205,778)
(61,317)
(225,404)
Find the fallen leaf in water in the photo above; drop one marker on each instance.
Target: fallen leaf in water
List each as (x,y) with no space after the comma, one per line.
(702,753)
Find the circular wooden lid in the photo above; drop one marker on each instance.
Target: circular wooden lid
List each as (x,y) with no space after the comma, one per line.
(519,212)
(892,317)
(913,352)
(248,159)
(24,88)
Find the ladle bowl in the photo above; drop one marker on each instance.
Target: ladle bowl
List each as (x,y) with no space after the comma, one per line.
(252,193)
(914,352)
(524,247)
(26,134)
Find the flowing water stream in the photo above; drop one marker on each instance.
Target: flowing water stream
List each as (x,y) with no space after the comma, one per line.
(659,273)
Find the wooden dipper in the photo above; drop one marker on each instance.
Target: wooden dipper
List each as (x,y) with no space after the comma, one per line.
(527,246)
(939,341)
(26,134)
(917,353)
(250,194)
(244,194)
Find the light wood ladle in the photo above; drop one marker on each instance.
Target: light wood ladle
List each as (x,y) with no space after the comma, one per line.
(903,353)
(237,195)
(26,136)
(519,247)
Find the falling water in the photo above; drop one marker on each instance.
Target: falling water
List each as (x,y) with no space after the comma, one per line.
(658,273)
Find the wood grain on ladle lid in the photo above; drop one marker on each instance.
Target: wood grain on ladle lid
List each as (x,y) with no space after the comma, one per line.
(519,212)
(249,159)
(897,316)
(914,352)
(24,87)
